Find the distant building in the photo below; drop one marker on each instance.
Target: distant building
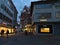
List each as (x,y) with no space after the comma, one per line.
(8,15)
(25,19)
(46,17)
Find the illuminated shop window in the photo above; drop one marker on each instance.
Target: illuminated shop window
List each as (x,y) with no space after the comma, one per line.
(45,30)
(5,29)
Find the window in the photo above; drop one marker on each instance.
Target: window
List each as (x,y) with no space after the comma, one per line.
(57,5)
(6,9)
(43,6)
(4,18)
(57,14)
(45,30)
(3,7)
(44,15)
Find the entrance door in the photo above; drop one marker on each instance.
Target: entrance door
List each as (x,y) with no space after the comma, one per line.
(45,29)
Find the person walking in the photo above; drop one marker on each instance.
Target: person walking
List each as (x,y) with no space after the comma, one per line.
(7,32)
(26,32)
(2,33)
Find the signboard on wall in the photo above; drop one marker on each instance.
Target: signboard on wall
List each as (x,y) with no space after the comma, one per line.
(43,20)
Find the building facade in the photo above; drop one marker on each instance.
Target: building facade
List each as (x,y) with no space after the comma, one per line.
(8,14)
(46,17)
(25,19)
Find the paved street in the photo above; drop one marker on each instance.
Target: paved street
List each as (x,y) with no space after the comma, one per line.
(20,39)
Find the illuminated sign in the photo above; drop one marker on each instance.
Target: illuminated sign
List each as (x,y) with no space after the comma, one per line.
(43,19)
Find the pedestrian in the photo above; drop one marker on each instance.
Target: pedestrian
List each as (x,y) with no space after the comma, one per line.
(7,32)
(2,32)
(26,32)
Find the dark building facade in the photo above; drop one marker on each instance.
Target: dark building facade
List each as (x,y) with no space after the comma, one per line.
(46,17)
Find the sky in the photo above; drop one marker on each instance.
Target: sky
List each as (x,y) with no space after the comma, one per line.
(19,4)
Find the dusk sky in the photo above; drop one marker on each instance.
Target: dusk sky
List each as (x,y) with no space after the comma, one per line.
(19,4)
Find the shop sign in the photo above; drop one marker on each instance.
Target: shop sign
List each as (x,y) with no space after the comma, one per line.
(43,19)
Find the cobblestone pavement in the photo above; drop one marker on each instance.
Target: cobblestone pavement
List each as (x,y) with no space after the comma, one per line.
(20,39)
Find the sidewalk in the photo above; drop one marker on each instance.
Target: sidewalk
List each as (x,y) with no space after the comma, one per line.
(4,38)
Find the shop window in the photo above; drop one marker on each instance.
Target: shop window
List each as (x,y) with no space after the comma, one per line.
(45,30)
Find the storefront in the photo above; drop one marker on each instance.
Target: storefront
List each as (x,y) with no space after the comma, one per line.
(48,28)
(44,28)
(5,28)
(28,28)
